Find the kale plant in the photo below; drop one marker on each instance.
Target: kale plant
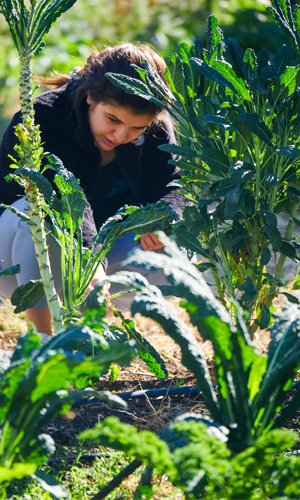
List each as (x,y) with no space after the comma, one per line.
(193,453)
(35,391)
(240,116)
(247,406)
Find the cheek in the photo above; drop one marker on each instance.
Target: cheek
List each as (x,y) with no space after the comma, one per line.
(136,134)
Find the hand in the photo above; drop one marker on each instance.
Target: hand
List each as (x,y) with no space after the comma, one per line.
(150,241)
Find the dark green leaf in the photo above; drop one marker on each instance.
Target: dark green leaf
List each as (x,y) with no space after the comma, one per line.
(150,303)
(204,203)
(291,298)
(135,87)
(21,215)
(177,150)
(269,218)
(214,37)
(248,289)
(297,222)
(234,54)
(146,351)
(212,74)
(47,16)
(234,241)
(72,202)
(265,256)
(290,151)
(289,79)
(240,165)
(272,179)
(203,266)
(215,159)
(264,319)
(151,218)
(190,241)
(257,126)
(288,250)
(11,271)
(51,484)
(283,58)
(219,121)
(226,70)
(276,240)
(175,76)
(27,296)
(191,72)
(283,360)
(241,175)
(262,61)
(159,84)
(42,183)
(233,196)
(250,65)
(234,202)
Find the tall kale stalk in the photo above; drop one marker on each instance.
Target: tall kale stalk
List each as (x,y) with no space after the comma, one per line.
(28,27)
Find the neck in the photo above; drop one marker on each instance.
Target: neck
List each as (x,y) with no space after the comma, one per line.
(107,156)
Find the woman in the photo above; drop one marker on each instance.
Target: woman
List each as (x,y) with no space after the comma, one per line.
(109,140)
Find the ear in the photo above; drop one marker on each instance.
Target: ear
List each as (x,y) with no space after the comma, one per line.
(89,99)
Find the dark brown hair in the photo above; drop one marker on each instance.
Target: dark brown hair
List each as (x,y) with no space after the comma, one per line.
(118,59)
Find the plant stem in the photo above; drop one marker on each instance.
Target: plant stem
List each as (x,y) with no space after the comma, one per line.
(257,161)
(35,199)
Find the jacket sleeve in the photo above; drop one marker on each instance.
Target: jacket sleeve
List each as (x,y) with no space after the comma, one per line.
(158,173)
(57,139)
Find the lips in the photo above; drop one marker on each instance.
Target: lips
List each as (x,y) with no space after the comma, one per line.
(110,143)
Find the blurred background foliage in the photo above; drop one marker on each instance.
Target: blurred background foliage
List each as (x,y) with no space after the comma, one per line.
(162,23)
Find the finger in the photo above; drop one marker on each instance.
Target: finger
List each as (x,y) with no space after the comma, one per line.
(150,241)
(156,241)
(145,241)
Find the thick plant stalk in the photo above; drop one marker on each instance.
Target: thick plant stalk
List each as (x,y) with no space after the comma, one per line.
(25,90)
(35,199)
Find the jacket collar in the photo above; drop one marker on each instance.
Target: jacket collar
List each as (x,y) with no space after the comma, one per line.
(129,162)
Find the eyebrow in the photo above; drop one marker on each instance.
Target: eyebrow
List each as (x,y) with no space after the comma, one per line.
(116,118)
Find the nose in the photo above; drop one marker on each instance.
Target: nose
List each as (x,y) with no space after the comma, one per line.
(120,134)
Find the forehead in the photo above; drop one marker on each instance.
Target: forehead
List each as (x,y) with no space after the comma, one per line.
(126,115)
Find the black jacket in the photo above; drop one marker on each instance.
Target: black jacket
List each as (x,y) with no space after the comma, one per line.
(65,132)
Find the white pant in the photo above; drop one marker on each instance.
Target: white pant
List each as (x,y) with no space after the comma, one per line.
(16,247)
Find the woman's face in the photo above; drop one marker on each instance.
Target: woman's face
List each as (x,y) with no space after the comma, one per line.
(112,125)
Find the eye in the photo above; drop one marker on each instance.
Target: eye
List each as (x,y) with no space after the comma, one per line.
(113,119)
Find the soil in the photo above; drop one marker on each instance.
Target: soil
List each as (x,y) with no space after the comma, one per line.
(147,413)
